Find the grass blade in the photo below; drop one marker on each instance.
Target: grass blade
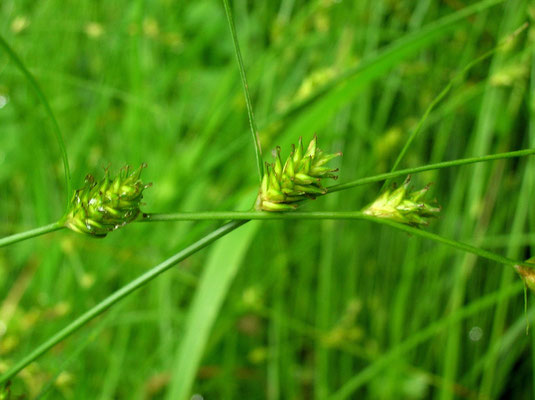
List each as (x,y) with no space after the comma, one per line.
(419,337)
(222,266)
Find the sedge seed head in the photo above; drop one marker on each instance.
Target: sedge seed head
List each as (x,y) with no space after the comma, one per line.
(402,205)
(102,206)
(299,178)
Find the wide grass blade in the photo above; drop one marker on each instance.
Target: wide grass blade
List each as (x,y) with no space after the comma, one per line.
(222,266)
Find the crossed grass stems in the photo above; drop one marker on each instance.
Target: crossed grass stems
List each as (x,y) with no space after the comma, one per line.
(238,219)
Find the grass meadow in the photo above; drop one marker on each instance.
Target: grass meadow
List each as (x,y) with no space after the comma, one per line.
(305,308)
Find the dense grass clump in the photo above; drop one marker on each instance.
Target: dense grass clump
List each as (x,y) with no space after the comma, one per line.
(336,303)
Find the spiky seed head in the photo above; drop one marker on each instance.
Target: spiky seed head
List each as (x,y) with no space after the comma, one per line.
(101,207)
(299,178)
(401,205)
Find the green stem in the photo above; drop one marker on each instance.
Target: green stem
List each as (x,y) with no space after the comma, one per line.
(229,215)
(57,131)
(448,242)
(430,167)
(118,295)
(249,215)
(19,237)
(347,215)
(252,122)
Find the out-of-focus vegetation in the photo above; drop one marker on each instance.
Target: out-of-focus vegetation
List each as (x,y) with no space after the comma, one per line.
(317,309)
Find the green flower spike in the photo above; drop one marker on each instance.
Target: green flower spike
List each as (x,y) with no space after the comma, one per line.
(299,179)
(403,206)
(101,207)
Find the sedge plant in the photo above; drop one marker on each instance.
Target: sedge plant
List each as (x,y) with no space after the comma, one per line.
(102,206)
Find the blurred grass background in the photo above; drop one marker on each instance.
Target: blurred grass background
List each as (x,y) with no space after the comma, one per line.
(317,309)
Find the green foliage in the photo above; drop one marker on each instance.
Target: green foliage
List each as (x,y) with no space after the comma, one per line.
(335,309)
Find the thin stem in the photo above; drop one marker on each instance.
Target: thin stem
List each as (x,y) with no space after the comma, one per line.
(19,237)
(229,215)
(448,242)
(57,131)
(252,122)
(248,215)
(348,215)
(430,167)
(118,295)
